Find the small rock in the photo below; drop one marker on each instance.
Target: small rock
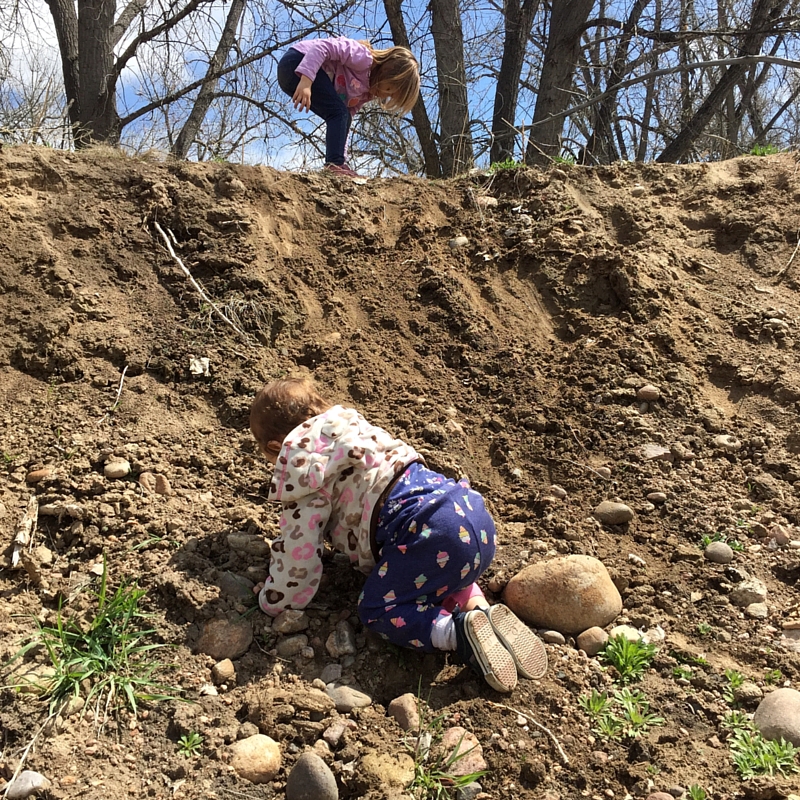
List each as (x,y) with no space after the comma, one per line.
(778,715)
(223,672)
(163,485)
(311,779)
(780,534)
(25,784)
(558,491)
(235,586)
(334,732)
(257,758)
(659,796)
(657,497)
(464,752)
(313,700)
(342,641)
(747,693)
(346,698)
(648,393)
(611,513)
(603,472)
(552,637)
(728,443)
(457,242)
(290,621)
(757,611)
(35,476)
(483,201)
(748,592)
(592,641)
(147,481)
(119,468)
(656,452)
(222,639)
(386,770)
(639,191)
(292,645)
(404,710)
(718,553)
(331,673)
(628,631)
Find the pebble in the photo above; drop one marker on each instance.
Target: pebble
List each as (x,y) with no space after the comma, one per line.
(290,621)
(639,191)
(728,443)
(603,472)
(464,752)
(331,673)
(235,586)
(718,553)
(778,715)
(557,491)
(119,468)
(147,481)
(552,637)
(25,784)
(747,693)
(659,796)
(757,611)
(292,645)
(37,475)
(780,534)
(657,497)
(223,672)
(346,698)
(313,700)
(386,770)
(748,592)
(256,758)
(457,242)
(628,631)
(342,641)
(311,779)
(656,452)
(568,594)
(592,641)
(163,486)
(222,639)
(335,731)
(404,710)
(648,393)
(611,513)
(486,202)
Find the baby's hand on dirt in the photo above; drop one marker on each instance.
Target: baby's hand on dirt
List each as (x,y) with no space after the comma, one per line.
(302,95)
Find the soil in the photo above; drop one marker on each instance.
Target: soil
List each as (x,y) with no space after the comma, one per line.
(512,355)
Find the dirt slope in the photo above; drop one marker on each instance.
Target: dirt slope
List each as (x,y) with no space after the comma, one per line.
(502,324)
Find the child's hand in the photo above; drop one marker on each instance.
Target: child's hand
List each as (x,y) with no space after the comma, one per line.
(302,95)
(258,587)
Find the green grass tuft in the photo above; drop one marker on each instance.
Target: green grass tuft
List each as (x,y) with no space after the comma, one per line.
(629,658)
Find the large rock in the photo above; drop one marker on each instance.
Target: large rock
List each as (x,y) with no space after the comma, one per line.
(222,639)
(568,594)
(778,715)
(256,758)
(311,779)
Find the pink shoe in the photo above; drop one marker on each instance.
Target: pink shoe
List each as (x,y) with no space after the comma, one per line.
(341,169)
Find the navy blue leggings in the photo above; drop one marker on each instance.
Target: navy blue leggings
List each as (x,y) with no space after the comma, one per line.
(325,103)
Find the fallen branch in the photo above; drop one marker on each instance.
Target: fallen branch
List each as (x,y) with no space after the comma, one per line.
(25,529)
(116,399)
(559,749)
(194,283)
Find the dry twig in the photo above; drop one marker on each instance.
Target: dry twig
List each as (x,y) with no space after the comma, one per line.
(559,749)
(780,275)
(25,529)
(194,283)
(116,399)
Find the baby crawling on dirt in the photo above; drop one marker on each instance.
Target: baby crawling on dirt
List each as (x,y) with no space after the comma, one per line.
(422,539)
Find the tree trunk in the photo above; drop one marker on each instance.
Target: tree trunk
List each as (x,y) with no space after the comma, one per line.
(65,20)
(518,21)
(206,94)
(97,98)
(422,123)
(567,23)
(455,137)
(763,12)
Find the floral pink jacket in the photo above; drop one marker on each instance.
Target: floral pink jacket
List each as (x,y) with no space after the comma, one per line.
(345,61)
(330,474)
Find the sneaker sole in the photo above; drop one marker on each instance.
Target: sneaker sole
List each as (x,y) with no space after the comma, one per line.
(526,648)
(494,660)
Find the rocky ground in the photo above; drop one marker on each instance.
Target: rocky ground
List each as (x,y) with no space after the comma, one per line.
(564,338)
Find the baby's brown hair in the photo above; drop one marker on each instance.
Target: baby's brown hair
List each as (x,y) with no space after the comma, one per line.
(395,70)
(280,406)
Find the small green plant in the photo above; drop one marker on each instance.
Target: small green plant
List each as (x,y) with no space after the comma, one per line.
(735,545)
(9,458)
(624,714)
(567,159)
(629,658)
(433,764)
(735,720)
(704,629)
(689,658)
(105,658)
(773,676)
(504,166)
(682,671)
(696,792)
(754,755)
(735,680)
(190,744)
(764,150)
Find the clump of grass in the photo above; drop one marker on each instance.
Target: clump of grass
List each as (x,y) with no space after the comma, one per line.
(623,714)
(754,755)
(505,166)
(433,765)
(107,657)
(764,150)
(735,680)
(734,544)
(696,792)
(629,658)
(772,676)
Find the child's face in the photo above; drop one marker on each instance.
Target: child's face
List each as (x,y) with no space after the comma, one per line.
(381,91)
(271,452)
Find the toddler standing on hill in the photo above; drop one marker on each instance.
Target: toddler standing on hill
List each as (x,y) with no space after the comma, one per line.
(335,77)
(422,539)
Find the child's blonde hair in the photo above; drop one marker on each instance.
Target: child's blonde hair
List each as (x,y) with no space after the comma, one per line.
(280,406)
(397,72)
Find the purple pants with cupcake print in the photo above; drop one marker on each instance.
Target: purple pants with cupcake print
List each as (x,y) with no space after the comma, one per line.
(435,538)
